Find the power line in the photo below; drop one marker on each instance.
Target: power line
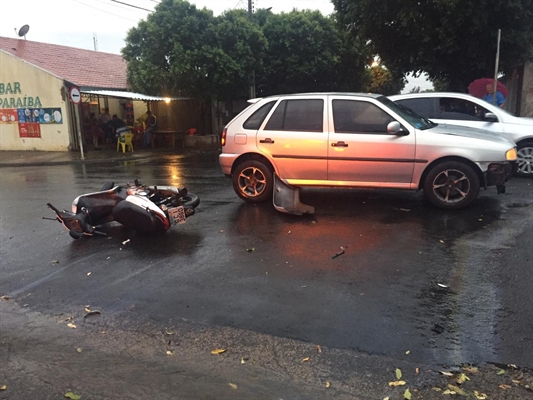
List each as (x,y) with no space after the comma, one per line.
(107,12)
(131,5)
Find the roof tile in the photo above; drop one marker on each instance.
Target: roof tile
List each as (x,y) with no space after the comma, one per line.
(79,66)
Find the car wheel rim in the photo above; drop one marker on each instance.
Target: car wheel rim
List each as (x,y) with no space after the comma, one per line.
(525,161)
(451,186)
(252,182)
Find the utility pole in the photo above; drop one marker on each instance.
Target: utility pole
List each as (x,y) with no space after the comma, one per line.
(497,67)
(251,78)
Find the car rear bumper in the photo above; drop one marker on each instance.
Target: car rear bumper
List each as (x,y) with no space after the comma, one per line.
(226,162)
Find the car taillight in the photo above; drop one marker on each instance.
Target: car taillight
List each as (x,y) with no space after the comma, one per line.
(223,137)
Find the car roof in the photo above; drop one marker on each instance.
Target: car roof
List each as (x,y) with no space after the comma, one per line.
(432,94)
(356,94)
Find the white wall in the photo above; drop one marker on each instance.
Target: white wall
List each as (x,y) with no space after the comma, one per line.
(44,89)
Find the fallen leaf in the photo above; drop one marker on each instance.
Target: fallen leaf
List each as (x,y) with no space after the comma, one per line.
(328,384)
(3,387)
(71,325)
(448,391)
(319,349)
(79,350)
(87,309)
(517,381)
(501,372)
(218,351)
(306,359)
(408,352)
(437,389)
(89,273)
(93,312)
(72,396)
(470,369)
(169,353)
(407,394)
(54,262)
(386,398)
(250,249)
(442,241)
(397,383)
(4,297)
(462,379)
(232,385)
(504,386)
(479,396)
(242,360)
(398,373)
(458,390)
(446,373)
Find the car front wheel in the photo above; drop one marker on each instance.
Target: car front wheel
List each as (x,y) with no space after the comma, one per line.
(524,162)
(451,185)
(253,181)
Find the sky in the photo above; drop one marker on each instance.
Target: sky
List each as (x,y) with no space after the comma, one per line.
(104,24)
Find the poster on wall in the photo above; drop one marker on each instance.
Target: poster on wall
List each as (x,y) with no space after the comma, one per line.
(29,129)
(50,116)
(40,115)
(28,114)
(8,116)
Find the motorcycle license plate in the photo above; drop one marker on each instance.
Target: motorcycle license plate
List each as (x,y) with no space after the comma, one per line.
(177,214)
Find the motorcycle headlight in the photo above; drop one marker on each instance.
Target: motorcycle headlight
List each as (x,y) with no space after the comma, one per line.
(511,155)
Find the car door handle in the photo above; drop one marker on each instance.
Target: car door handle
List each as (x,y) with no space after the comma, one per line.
(267,140)
(339,144)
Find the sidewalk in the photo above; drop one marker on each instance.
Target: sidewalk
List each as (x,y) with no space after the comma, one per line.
(107,154)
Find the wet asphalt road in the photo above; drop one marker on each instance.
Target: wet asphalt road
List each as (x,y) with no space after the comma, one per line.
(252,268)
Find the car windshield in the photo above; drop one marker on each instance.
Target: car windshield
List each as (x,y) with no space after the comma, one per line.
(409,115)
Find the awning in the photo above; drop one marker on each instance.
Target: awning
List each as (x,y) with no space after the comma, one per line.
(129,95)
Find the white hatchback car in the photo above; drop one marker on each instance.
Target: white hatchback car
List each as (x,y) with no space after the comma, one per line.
(465,110)
(361,141)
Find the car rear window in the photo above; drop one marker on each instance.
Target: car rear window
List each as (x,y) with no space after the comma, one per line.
(302,115)
(255,120)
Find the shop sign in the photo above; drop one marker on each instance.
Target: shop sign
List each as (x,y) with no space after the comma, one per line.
(14,101)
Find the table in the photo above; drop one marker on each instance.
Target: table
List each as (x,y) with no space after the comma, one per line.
(180,135)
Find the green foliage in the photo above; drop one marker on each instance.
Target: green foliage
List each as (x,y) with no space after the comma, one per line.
(180,50)
(382,81)
(306,53)
(451,40)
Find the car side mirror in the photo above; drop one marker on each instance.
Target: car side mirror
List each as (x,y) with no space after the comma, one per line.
(491,117)
(395,128)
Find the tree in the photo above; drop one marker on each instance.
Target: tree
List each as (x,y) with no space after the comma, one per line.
(306,53)
(181,50)
(381,80)
(453,41)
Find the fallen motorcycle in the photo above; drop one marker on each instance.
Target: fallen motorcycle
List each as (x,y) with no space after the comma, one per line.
(144,209)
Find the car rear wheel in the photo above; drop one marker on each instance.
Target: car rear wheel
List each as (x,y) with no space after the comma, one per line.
(524,162)
(451,185)
(253,181)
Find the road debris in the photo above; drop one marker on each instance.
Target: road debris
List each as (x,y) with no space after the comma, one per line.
(218,351)
(126,241)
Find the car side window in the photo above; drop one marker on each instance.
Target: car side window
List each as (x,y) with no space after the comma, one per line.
(423,107)
(255,120)
(351,116)
(461,110)
(302,115)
